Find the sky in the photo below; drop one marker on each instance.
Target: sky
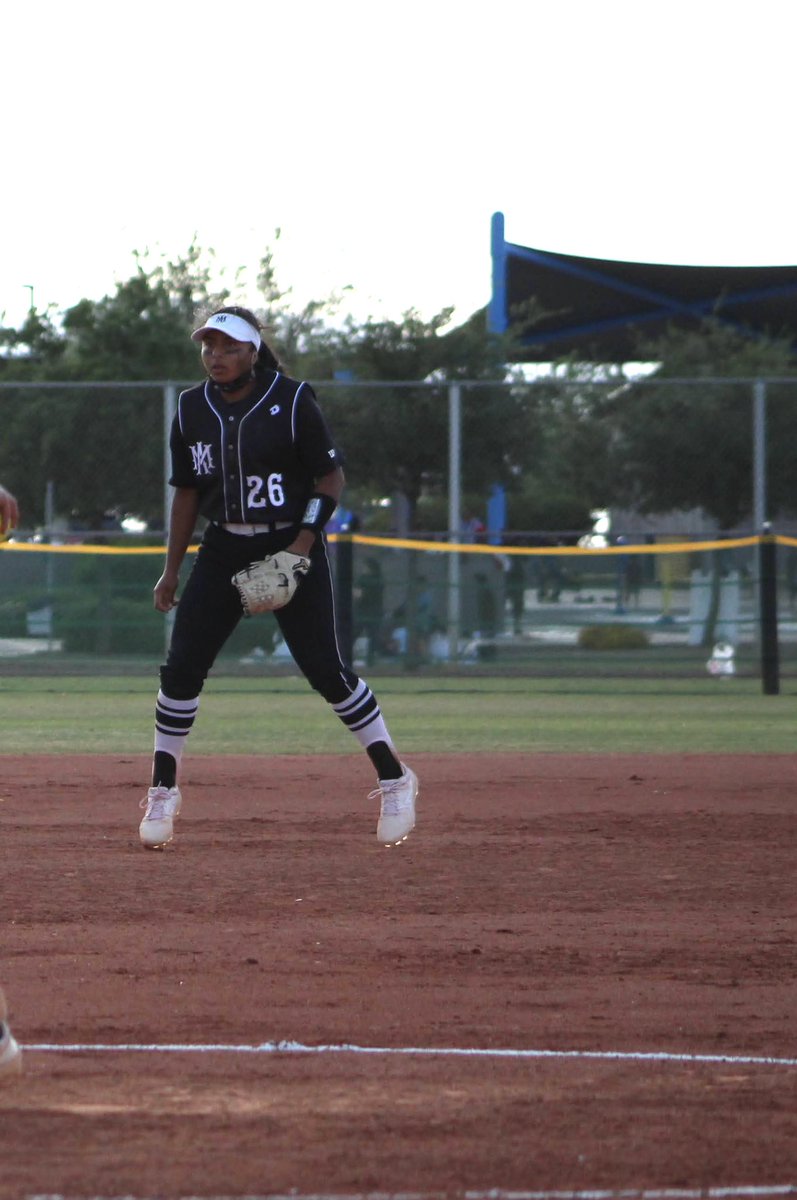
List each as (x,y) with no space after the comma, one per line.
(379,139)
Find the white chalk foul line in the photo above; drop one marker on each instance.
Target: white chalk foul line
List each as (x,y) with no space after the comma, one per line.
(442,1051)
(709,1193)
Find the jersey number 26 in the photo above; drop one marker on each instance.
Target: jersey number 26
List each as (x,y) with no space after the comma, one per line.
(275,497)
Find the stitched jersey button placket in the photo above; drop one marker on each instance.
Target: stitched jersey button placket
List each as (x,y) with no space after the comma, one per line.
(231,447)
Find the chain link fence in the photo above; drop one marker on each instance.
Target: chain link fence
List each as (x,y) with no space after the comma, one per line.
(88,462)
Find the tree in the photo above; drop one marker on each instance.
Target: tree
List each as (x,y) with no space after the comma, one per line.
(139,332)
(396,437)
(684,445)
(681,445)
(101,450)
(28,353)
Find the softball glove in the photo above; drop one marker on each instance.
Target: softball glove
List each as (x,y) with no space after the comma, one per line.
(271,583)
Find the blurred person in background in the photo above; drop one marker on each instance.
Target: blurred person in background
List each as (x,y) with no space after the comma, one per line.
(9,512)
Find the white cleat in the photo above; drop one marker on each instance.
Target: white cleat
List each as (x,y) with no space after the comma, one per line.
(157,824)
(10,1053)
(397,814)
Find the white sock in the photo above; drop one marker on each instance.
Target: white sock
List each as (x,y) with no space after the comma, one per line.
(362,716)
(173,721)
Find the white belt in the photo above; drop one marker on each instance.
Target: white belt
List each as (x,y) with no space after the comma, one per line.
(251,530)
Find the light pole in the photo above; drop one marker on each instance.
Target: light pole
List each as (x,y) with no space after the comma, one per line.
(29,287)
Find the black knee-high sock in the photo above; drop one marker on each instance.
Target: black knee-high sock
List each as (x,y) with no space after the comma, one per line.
(173,721)
(361,714)
(385,761)
(164,769)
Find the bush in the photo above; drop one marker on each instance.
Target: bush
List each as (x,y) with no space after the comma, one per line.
(612,637)
(13,619)
(87,625)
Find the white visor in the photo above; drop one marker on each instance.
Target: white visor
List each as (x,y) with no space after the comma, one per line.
(235,327)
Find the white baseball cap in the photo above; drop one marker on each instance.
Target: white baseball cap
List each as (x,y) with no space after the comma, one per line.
(235,327)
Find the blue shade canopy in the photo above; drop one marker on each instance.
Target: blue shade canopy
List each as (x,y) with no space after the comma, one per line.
(598,309)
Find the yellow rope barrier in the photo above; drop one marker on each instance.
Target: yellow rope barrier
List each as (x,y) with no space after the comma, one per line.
(391,543)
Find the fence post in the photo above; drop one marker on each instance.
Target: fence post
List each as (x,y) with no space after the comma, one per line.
(768,611)
(169,410)
(454,514)
(759,454)
(344,592)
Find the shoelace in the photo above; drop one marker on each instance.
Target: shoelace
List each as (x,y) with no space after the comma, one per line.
(155,806)
(391,793)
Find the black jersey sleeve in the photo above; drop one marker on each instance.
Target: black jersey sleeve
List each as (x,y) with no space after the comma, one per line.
(315,445)
(182,474)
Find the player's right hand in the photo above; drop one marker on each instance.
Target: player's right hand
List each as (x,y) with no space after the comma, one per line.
(165,592)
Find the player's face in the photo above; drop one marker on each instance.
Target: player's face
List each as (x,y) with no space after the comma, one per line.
(223,358)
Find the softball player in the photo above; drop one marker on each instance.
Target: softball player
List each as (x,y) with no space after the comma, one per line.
(10,1053)
(252,453)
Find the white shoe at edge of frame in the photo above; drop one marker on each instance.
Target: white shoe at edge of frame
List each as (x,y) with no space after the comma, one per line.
(162,805)
(397,813)
(10,1052)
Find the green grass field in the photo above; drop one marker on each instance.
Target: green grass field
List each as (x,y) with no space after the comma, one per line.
(113,715)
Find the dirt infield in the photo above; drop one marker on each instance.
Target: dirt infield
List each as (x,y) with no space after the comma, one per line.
(579,913)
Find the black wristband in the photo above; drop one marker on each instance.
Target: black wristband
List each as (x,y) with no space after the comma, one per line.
(320,508)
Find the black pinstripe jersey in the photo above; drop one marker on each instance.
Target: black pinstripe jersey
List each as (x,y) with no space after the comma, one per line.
(254,460)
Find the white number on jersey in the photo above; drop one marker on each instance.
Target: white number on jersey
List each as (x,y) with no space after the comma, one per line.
(273,486)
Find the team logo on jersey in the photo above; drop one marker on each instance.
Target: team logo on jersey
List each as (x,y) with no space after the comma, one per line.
(202,454)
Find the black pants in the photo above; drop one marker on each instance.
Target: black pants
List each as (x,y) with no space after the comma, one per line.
(209,609)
